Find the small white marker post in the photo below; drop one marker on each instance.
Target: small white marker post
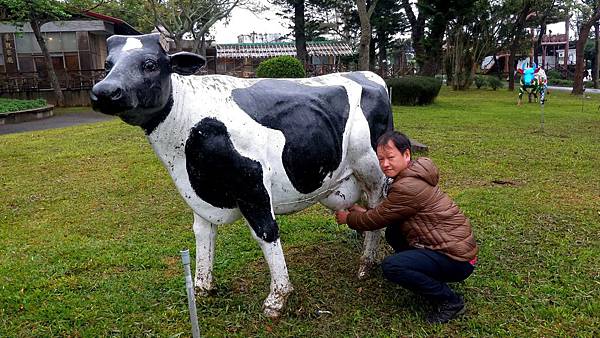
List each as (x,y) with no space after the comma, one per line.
(189,286)
(542,120)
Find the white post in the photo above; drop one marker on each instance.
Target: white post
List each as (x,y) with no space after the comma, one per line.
(542,120)
(189,286)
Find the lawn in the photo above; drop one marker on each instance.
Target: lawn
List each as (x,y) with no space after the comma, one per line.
(91,227)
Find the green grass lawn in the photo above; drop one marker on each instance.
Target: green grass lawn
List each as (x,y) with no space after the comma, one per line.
(91,227)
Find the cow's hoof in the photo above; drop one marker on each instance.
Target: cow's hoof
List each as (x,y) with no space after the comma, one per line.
(275,302)
(365,269)
(205,292)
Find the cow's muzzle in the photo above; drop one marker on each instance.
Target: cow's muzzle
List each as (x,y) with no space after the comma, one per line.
(109,98)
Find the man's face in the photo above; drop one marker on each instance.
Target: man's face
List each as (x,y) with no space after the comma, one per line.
(391,160)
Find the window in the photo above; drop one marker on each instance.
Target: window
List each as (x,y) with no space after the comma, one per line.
(53,42)
(69,42)
(26,43)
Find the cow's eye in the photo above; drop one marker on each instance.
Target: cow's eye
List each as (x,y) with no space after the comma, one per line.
(108,66)
(150,65)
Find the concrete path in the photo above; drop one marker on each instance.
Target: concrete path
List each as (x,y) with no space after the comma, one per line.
(569,89)
(60,121)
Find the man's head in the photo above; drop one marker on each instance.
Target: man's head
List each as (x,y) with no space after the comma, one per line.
(393,153)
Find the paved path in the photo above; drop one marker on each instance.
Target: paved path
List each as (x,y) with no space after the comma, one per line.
(60,121)
(569,89)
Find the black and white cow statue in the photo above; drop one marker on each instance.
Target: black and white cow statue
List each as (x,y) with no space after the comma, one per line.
(250,148)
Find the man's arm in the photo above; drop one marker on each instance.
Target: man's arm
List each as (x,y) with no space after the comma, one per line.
(400,204)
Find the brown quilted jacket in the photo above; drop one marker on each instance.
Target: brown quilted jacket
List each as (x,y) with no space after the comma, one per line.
(427,216)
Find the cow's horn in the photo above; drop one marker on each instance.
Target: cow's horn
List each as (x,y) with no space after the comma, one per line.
(164,43)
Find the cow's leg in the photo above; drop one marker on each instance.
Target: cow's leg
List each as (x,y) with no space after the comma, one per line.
(281,287)
(258,212)
(206,235)
(521,91)
(372,181)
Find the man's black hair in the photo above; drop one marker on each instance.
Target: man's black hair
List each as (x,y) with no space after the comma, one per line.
(401,141)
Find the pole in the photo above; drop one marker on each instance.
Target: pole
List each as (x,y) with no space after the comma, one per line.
(189,286)
(542,119)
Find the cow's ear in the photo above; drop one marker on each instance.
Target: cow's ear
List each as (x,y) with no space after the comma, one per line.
(184,63)
(520,70)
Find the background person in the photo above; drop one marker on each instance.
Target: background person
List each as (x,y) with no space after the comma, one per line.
(432,239)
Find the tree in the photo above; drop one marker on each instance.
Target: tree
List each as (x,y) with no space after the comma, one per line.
(388,20)
(134,12)
(364,13)
(591,13)
(176,18)
(523,9)
(471,36)
(298,7)
(429,27)
(37,13)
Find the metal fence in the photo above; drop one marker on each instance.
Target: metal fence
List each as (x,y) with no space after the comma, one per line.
(39,81)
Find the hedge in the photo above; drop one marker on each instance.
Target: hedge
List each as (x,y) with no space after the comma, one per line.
(11,105)
(281,67)
(414,90)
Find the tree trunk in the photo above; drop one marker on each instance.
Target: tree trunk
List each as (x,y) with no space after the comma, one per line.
(597,57)
(60,99)
(511,66)
(299,32)
(518,26)
(365,35)
(417,32)
(584,32)
(434,54)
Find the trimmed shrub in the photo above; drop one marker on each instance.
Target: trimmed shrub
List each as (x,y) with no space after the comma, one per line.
(494,82)
(281,67)
(414,90)
(560,82)
(553,74)
(10,105)
(480,81)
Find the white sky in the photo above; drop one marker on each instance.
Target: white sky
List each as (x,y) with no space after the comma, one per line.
(245,22)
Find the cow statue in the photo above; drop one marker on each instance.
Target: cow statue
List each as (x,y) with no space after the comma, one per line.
(250,148)
(533,82)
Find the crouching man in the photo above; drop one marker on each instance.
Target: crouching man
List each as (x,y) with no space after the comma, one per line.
(431,237)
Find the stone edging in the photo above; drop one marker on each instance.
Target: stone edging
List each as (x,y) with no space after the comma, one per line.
(27,115)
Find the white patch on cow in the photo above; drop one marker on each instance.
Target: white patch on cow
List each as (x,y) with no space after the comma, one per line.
(132,43)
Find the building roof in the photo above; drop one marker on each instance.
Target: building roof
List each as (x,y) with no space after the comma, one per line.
(271,49)
(81,22)
(121,27)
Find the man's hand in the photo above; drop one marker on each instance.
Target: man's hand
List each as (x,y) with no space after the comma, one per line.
(341,216)
(357,208)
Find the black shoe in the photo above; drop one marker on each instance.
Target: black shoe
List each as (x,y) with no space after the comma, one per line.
(446,311)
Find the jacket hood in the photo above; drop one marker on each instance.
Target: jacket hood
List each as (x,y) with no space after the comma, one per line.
(424,169)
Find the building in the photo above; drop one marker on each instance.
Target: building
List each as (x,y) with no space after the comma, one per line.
(242,59)
(77,48)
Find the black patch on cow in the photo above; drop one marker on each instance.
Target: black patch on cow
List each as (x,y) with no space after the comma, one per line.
(312,119)
(375,104)
(158,117)
(222,177)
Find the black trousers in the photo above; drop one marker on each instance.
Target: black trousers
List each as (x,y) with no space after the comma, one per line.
(423,271)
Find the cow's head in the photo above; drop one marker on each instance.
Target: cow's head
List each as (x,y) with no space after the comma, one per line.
(137,86)
(528,74)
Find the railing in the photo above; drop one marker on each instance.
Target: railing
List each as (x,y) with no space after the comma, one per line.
(85,79)
(38,81)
